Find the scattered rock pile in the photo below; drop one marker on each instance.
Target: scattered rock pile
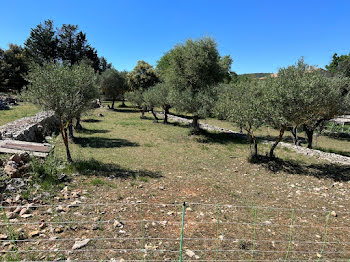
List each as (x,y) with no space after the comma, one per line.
(17,165)
(6,102)
(3,106)
(30,129)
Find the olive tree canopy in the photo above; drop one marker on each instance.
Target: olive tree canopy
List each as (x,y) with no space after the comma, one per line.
(68,91)
(192,70)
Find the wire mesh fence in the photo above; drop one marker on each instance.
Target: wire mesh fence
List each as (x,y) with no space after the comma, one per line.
(137,231)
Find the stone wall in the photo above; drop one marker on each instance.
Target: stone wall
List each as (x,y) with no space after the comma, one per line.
(31,129)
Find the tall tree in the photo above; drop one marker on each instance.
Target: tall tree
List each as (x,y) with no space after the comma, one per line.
(64,90)
(73,46)
(333,67)
(13,67)
(143,76)
(67,44)
(104,65)
(195,67)
(41,45)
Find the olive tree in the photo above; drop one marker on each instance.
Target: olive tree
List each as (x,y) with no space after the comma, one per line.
(194,68)
(332,99)
(300,96)
(142,77)
(150,100)
(64,90)
(244,104)
(113,84)
(158,96)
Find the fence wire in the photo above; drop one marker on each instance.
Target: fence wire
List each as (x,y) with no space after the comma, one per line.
(137,231)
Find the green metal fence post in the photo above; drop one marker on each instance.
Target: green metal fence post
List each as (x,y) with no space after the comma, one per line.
(182,230)
(290,235)
(325,236)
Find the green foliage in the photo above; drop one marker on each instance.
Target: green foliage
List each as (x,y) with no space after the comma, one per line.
(73,47)
(142,77)
(45,173)
(13,67)
(41,45)
(157,96)
(225,63)
(104,65)
(135,98)
(243,104)
(68,91)
(113,84)
(302,95)
(66,44)
(336,65)
(194,68)
(163,64)
(98,182)
(65,90)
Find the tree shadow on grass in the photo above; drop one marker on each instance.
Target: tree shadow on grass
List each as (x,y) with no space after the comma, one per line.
(92,131)
(126,110)
(101,142)
(180,115)
(335,172)
(94,167)
(338,136)
(334,151)
(221,138)
(91,120)
(286,138)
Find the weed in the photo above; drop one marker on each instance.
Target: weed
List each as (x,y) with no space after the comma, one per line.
(143,178)
(45,173)
(97,182)
(244,245)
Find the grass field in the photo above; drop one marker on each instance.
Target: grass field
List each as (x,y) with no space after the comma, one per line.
(127,161)
(17,112)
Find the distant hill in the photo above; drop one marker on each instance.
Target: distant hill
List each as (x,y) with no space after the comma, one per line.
(256,75)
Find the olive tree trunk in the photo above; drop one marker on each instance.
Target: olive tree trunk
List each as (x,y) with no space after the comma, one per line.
(252,139)
(123,102)
(195,125)
(70,131)
(279,138)
(295,135)
(64,134)
(78,125)
(166,112)
(154,115)
(309,134)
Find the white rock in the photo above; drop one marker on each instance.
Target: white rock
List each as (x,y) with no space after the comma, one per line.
(3,237)
(190,253)
(118,224)
(80,244)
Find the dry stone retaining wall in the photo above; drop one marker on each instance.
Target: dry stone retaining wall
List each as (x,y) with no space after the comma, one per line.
(31,129)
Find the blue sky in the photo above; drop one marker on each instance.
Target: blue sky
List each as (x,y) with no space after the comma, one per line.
(260,36)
